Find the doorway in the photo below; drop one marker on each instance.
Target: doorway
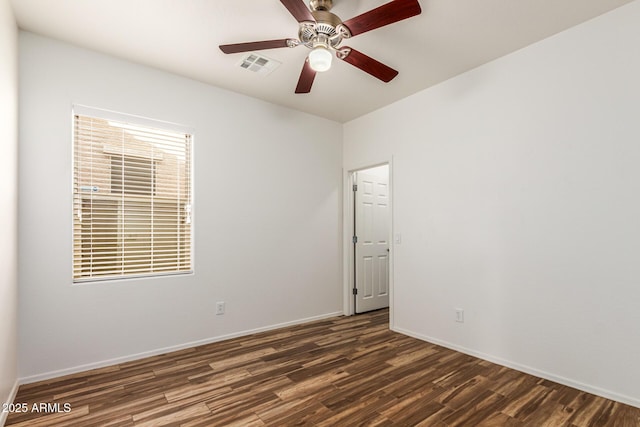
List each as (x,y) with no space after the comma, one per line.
(371,247)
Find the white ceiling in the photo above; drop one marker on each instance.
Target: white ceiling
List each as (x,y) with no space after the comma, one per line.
(182,36)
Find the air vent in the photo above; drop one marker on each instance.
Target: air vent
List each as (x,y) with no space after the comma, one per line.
(259,64)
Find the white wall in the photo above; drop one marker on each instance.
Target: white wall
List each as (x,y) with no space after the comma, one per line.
(267,212)
(8,203)
(517,193)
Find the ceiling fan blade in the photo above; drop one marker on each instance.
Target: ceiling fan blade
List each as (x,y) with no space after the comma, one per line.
(369,65)
(306,78)
(247,47)
(386,14)
(299,10)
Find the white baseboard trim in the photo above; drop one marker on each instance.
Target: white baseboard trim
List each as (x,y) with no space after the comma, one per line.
(110,362)
(607,394)
(10,399)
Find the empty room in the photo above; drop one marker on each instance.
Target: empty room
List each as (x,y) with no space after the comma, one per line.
(325,212)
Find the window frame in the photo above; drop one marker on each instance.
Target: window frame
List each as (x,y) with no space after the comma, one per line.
(135,121)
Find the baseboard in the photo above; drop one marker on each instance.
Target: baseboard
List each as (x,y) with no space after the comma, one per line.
(10,399)
(156,352)
(607,394)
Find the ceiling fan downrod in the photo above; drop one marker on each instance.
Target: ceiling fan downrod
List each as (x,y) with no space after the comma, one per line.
(324,5)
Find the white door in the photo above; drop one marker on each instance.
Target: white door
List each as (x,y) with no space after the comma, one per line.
(372,245)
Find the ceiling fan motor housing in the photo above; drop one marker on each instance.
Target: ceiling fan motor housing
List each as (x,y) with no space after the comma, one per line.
(327,28)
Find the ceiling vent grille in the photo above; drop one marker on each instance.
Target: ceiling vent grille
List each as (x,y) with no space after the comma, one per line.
(258,64)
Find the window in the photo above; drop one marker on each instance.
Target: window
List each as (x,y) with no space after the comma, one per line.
(132,175)
(132,199)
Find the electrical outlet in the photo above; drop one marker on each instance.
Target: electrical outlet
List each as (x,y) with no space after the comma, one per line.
(220,308)
(459,315)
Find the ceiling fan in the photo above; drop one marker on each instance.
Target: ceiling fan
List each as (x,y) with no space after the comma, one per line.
(322,32)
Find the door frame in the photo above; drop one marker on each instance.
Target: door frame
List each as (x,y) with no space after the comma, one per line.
(348,232)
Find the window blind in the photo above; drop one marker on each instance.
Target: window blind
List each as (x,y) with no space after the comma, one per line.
(132,200)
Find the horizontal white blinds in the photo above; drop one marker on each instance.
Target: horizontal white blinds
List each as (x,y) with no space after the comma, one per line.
(132,200)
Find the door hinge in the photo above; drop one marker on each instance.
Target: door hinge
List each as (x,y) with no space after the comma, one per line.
(355,291)
(355,239)
(355,187)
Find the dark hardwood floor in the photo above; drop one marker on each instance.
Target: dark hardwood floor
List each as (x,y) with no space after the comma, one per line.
(344,371)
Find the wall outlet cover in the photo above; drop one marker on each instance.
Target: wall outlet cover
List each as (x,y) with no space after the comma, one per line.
(220,308)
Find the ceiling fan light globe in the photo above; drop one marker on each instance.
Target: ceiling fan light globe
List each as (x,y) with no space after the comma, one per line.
(320,59)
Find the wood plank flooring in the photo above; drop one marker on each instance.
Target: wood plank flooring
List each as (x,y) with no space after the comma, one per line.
(344,371)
